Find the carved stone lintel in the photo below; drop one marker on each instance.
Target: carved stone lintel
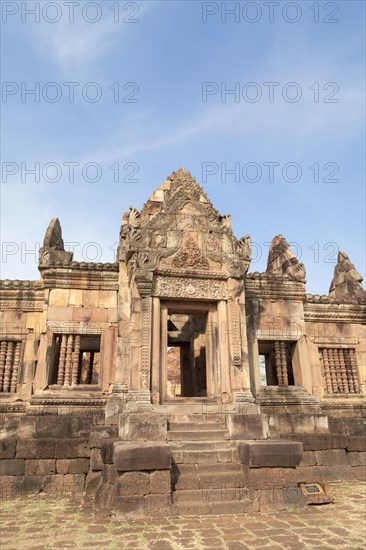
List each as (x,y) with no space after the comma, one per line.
(189,287)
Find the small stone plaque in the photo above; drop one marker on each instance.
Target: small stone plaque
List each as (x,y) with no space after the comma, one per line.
(316,494)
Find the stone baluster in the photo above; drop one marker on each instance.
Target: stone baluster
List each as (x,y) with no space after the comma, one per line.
(8,366)
(80,367)
(283,349)
(328,380)
(278,363)
(68,365)
(62,361)
(3,347)
(337,368)
(348,367)
(75,361)
(352,356)
(343,372)
(14,376)
(90,368)
(333,374)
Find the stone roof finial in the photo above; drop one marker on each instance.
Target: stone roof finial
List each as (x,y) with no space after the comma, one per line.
(282,261)
(53,250)
(346,283)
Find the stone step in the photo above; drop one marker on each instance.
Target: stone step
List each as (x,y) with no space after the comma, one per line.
(221,481)
(203,469)
(207,495)
(201,445)
(210,456)
(196,426)
(203,435)
(211,508)
(197,417)
(219,468)
(208,482)
(198,476)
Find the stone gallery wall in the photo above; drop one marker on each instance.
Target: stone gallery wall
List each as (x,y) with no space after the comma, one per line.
(46,455)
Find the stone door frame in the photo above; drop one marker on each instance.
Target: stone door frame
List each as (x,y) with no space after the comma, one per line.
(160,342)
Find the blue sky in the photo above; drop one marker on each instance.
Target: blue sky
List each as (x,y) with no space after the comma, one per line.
(162,62)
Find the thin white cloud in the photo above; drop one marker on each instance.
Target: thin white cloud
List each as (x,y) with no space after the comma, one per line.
(81,42)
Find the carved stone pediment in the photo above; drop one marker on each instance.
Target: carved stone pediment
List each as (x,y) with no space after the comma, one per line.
(178,228)
(190,256)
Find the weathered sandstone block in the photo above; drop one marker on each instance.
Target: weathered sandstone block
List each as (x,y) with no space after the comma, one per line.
(141,456)
(270,453)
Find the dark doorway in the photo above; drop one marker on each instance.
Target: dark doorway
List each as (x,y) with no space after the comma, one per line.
(186,355)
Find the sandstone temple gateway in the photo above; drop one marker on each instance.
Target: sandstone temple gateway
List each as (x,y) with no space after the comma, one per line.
(153,382)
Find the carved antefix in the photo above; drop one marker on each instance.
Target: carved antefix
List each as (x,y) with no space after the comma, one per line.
(53,251)
(346,284)
(282,261)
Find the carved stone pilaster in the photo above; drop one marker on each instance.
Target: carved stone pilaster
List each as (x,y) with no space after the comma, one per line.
(235,333)
(144,284)
(146,342)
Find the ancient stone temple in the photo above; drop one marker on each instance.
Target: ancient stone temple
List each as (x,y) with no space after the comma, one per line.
(156,381)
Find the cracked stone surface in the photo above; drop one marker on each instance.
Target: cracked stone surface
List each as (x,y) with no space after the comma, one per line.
(48,524)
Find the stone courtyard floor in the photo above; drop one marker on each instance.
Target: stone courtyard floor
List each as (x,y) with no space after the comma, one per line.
(47,524)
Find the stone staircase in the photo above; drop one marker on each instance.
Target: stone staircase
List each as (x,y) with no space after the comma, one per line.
(206,475)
